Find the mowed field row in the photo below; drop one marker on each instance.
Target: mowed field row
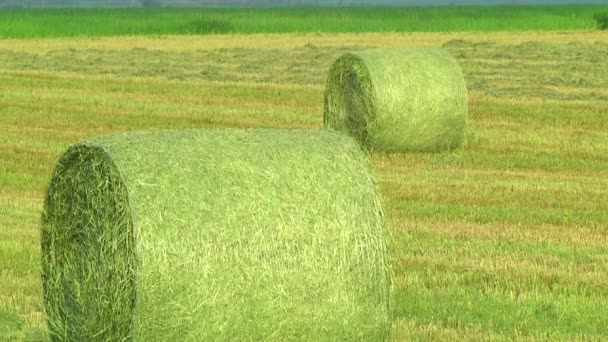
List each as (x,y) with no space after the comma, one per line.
(507,238)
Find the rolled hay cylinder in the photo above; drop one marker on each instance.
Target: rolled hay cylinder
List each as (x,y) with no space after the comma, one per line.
(208,235)
(398,99)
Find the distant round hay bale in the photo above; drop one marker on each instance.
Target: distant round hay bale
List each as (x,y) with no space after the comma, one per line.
(208,235)
(398,99)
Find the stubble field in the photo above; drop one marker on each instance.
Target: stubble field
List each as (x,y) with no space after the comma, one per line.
(506,238)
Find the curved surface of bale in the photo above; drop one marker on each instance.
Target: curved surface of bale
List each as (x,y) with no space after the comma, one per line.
(208,235)
(398,99)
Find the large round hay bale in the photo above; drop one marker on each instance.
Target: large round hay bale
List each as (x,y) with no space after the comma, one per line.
(398,99)
(208,235)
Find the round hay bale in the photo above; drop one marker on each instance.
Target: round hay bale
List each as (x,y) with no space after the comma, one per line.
(398,99)
(208,235)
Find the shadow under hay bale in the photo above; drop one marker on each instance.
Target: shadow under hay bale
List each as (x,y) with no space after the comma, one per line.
(398,99)
(208,235)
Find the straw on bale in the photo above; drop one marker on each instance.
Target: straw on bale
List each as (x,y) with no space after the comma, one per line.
(398,99)
(208,235)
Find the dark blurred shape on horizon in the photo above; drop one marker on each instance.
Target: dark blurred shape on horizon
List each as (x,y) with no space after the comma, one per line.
(281,3)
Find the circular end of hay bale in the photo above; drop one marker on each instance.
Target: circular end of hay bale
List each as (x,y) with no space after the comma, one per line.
(398,99)
(348,104)
(215,235)
(88,248)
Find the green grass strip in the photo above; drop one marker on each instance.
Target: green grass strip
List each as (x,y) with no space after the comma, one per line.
(34,23)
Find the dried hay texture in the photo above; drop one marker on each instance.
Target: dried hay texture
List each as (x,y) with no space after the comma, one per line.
(207,235)
(398,99)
